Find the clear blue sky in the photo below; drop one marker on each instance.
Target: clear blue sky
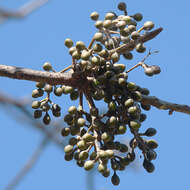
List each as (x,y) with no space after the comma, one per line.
(40,37)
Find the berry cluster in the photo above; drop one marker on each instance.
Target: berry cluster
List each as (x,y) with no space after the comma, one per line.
(102,78)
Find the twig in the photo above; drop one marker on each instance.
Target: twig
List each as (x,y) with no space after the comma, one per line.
(164,105)
(28,166)
(23,11)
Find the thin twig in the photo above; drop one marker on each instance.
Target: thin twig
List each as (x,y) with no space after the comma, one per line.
(28,166)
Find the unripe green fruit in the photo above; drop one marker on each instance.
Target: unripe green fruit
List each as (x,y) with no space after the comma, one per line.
(93,156)
(76,55)
(121,24)
(131,86)
(151,155)
(35,104)
(68,149)
(129,102)
(71,50)
(68,42)
(83,155)
(135,124)
(150,132)
(106,173)
(102,154)
(80,45)
(135,35)
(125,32)
(45,106)
(121,81)
(112,120)
(132,28)
(123,148)
(99,24)
(95,60)
(128,55)
(35,93)
(88,137)
(81,145)
(68,118)
(138,17)
(65,131)
(112,106)
(122,6)
(152,144)
(98,36)
(48,88)
(72,110)
(73,141)
(148,25)
(119,68)
(109,16)
(97,47)
(140,48)
(102,168)
(85,55)
(122,129)
(125,161)
(105,137)
(67,89)
(47,66)
(115,179)
(37,114)
(107,23)
(133,110)
(137,96)
(127,19)
(56,107)
(58,91)
(68,157)
(104,53)
(115,57)
(81,122)
(74,95)
(80,163)
(94,16)
(46,119)
(40,85)
(88,165)
(156,69)
(142,117)
(109,153)
(148,166)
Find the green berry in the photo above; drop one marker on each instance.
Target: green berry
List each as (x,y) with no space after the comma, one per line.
(94,16)
(37,114)
(46,119)
(48,88)
(98,36)
(138,17)
(135,124)
(68,43)
(122,6)
(140,48)
(80,45)
(115,179)
(65,131)
(150,132)
(58,91)
(152,144)
(148,25)
(81,122)
(68,149)
(83,155)
(72,110)
(35,104)
(47,66)
(40,85)
(99,24)
(88,165)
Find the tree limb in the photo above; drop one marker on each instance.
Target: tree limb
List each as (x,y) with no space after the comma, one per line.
(23,11)
(164,105)
(28,166)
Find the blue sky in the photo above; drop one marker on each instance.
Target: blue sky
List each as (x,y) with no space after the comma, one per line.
(40,37)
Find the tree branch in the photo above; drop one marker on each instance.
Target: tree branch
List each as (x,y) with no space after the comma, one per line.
(28,166)
(23,11)
(164,105)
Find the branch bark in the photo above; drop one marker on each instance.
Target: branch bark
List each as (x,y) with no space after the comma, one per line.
(164,105)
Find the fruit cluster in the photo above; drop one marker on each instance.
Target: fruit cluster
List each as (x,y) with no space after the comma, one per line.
(92,134)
